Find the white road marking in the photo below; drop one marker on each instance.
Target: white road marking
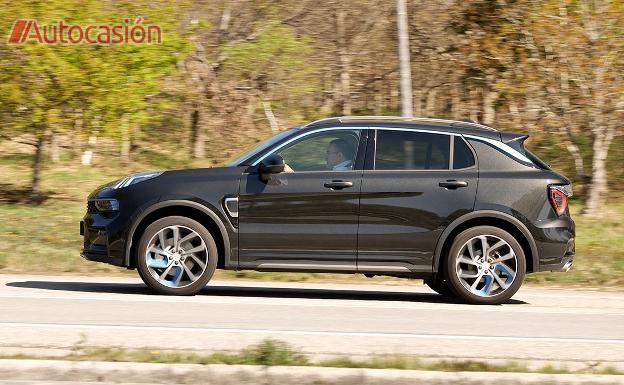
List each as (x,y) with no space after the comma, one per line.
(310,332)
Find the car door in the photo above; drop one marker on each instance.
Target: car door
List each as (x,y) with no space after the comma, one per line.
(415,183)
(306,217)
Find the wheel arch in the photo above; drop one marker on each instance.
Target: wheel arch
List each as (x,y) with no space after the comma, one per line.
(190,209)
(498,219)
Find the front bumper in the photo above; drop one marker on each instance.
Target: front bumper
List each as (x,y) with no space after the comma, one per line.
(104,239)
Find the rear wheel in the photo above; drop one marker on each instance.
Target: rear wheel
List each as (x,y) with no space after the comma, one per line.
(177,256)
(485,265)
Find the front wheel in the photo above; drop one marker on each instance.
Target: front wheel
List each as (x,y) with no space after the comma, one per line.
(176,256)
(486,265)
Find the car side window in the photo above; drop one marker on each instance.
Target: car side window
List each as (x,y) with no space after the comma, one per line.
(462,156)
(328,150)
(408,150)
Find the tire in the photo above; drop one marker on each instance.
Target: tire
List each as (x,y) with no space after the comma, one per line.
(473,278)
(182,269)
(440,286)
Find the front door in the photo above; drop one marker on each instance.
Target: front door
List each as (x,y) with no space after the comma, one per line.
(411,190)
(306,217)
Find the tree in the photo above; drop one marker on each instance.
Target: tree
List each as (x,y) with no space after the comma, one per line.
(581,59)
(274,64)
(42,86)
(404,60)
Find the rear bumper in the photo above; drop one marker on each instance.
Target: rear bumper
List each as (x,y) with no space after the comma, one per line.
(564,266)
(556,245)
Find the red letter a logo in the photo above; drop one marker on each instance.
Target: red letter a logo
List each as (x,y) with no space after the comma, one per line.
(16,32)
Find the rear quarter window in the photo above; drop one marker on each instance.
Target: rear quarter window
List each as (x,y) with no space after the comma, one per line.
(462,155)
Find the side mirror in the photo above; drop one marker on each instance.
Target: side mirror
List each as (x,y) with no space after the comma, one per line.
(272,164)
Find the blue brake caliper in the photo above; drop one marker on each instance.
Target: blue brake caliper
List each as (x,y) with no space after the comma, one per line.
(509,275)
(489,280)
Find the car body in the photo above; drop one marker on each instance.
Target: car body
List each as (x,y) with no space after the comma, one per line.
(412,187)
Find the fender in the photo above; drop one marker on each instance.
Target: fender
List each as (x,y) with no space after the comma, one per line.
(486,214)
(187,203)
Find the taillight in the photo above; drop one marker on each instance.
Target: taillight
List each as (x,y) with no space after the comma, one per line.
(559,197)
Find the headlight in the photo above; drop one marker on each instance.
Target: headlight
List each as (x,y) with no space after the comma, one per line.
(105,205)
(136,178)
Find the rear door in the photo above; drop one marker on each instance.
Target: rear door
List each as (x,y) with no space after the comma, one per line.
(414,184)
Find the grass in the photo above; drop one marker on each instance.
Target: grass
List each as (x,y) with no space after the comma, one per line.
(45,238)
(277,353)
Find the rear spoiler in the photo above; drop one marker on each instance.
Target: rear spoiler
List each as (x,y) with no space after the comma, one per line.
(515,141)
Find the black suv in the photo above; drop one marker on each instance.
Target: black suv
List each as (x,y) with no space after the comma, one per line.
(460,205)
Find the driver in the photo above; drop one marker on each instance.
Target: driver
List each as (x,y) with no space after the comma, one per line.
(340,155)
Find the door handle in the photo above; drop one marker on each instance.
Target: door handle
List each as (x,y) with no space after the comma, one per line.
(452,184)
(338,184)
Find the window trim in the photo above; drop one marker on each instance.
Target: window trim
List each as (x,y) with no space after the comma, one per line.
(360,148)
(504,148)
(372,144)
(450,135)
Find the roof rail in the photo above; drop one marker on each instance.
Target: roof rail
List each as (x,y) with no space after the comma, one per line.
(343,119)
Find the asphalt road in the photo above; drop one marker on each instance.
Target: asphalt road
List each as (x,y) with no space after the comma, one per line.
(49,315)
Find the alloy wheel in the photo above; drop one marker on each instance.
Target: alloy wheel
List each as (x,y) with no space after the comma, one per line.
(486,265)
(176,256)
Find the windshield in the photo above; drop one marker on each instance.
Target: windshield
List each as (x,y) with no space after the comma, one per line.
(247,157)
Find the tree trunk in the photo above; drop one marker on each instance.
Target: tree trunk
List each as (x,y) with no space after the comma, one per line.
(566,107)
(431,103)
(197,135)
(379,97)
(35,189)
(489,110)
(603,135)
(268,112)
(490,96)
(404,60)
(87,155)
(136,134)
(124,152)
(575,151)
(515,113)
(328,93)
(456,103)
(76,132)
(343,54)
(474,105)
(225,21)
(598,187)
(417,102)
(54,147)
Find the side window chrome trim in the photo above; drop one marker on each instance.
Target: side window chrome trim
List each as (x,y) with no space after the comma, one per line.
(498,144)
(452,136)
(274,149)
(503,147)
